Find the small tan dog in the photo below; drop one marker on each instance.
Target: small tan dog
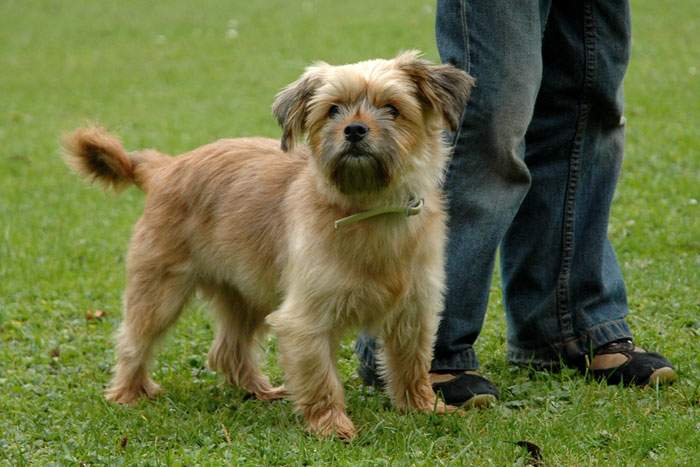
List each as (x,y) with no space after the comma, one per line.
(346,232)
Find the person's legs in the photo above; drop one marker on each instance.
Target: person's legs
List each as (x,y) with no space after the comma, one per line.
(563,289)
(567,300)
(569,295)
(499,43)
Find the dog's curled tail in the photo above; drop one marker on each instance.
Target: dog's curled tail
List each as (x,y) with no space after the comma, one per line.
(97,155)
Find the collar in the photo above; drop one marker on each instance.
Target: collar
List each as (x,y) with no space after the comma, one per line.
(413,207)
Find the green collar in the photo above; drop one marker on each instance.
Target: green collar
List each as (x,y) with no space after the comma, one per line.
(413,207)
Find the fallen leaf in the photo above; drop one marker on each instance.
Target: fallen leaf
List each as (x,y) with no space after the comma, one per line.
(534,451)
(95,314)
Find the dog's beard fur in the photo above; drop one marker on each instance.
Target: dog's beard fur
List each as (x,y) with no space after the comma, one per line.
(245,224)
(359,172)
(357,168)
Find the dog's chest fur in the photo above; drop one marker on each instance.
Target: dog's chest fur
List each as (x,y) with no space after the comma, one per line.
(362,272)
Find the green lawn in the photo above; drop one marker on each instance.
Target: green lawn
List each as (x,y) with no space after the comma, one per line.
(174,76)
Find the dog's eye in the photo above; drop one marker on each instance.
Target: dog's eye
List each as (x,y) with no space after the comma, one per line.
(333,111)
(393,111)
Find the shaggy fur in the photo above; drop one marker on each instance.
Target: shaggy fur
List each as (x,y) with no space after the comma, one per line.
(251,227)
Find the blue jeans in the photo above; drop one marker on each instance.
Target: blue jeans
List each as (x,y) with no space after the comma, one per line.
(534,169)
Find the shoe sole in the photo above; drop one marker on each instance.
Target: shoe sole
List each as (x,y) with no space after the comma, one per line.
(480,401)
(664,375)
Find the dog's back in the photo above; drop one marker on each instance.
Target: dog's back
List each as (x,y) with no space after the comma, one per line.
(100,157)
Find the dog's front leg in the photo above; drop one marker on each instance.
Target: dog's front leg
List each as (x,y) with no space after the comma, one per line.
(406,356)
(307,347)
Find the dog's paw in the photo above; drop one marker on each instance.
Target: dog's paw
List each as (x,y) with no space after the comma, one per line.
(332,422)
(271,394)
(441,408)
(433,405)
(130,395)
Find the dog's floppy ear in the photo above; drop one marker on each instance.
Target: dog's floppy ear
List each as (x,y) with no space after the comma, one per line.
(444,88)
(290,106)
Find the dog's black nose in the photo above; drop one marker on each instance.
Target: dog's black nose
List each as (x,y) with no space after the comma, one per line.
(355,132)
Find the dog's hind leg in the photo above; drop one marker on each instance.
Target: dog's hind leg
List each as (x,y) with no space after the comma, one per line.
(235,349)
(153,301)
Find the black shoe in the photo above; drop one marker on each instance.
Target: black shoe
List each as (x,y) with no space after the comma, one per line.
(466,389)
(642,368)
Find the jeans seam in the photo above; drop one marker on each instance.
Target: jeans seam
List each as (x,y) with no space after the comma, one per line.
(465,36)
(563,287)
(467,67)
(546,21)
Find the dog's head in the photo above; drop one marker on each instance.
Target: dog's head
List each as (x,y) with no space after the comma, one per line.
(367,121)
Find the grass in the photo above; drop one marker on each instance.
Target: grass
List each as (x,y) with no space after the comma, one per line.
(172,75)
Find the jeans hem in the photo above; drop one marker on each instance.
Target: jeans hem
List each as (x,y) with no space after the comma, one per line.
(558,354)
(463,361)
(366,350)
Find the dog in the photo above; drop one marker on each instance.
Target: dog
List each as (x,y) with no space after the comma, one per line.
(309,240)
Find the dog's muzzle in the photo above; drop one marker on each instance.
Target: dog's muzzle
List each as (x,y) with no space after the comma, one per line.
(356,171)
